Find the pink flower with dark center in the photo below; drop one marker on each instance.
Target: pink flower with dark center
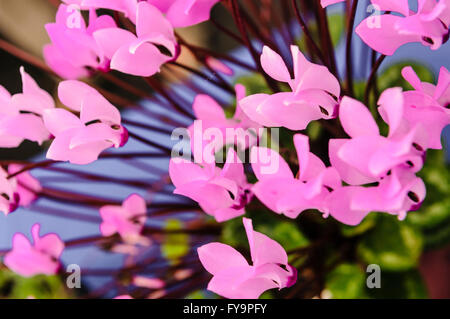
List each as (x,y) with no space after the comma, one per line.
(399,192)
(282,191)
(27,186)
(233,277)
(387,32)
(314,93)
(73,49)
(21,114)
(9,196)
(222,193)
(140,54)
(368,156)
(40,257)
(80,140)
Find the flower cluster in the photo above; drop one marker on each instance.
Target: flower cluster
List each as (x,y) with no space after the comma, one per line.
(362,170)
(77,48)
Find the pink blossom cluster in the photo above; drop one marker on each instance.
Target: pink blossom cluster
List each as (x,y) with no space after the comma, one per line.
(141,49)
(386,32)
(78,133)
(369,172)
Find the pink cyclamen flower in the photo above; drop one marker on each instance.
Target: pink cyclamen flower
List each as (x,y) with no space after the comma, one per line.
(73,49)
(213,129)
(41,257)
(127,7)
(387,32)
(184,13)
(222,193)
(27,186)
(427,105)
(283,192)
(21,114)
(396,194)
(9,196)
(233,277)
(127,220)
(326,3)
(367,156)
(80,140)
(139,54)
(313,96)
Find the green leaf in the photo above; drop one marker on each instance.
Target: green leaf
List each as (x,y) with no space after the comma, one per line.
(346,281)
(393,245)
(175,246)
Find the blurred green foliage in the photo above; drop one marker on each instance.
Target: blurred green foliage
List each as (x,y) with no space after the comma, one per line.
(176,245)
(13,286)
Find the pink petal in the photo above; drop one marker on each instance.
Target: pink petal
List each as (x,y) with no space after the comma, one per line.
(95,107)
(111,39)
(216,257)
(206,108)
(146,61)
(268,163)
(356,118)
(385,39)
(58,121)
(186,13)
(273,64)
(391,108)
(72,93)
(400,6)
(262,248)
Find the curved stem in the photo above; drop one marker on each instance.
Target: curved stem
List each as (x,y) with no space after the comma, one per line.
(307,34)
(348,48)
(372,78)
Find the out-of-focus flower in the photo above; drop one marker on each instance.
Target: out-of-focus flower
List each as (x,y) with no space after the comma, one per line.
(427,105)
(9,196)
(41,257)
(326,3)
(239,129)
(21,114)
(313,96)
(127,7)
(27,186)
(127,220)
(429,25)
(368,155)
(73,49)
(139,54)
(235,278)
(285,193)
(222,193)
(184,13)
(80,140)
